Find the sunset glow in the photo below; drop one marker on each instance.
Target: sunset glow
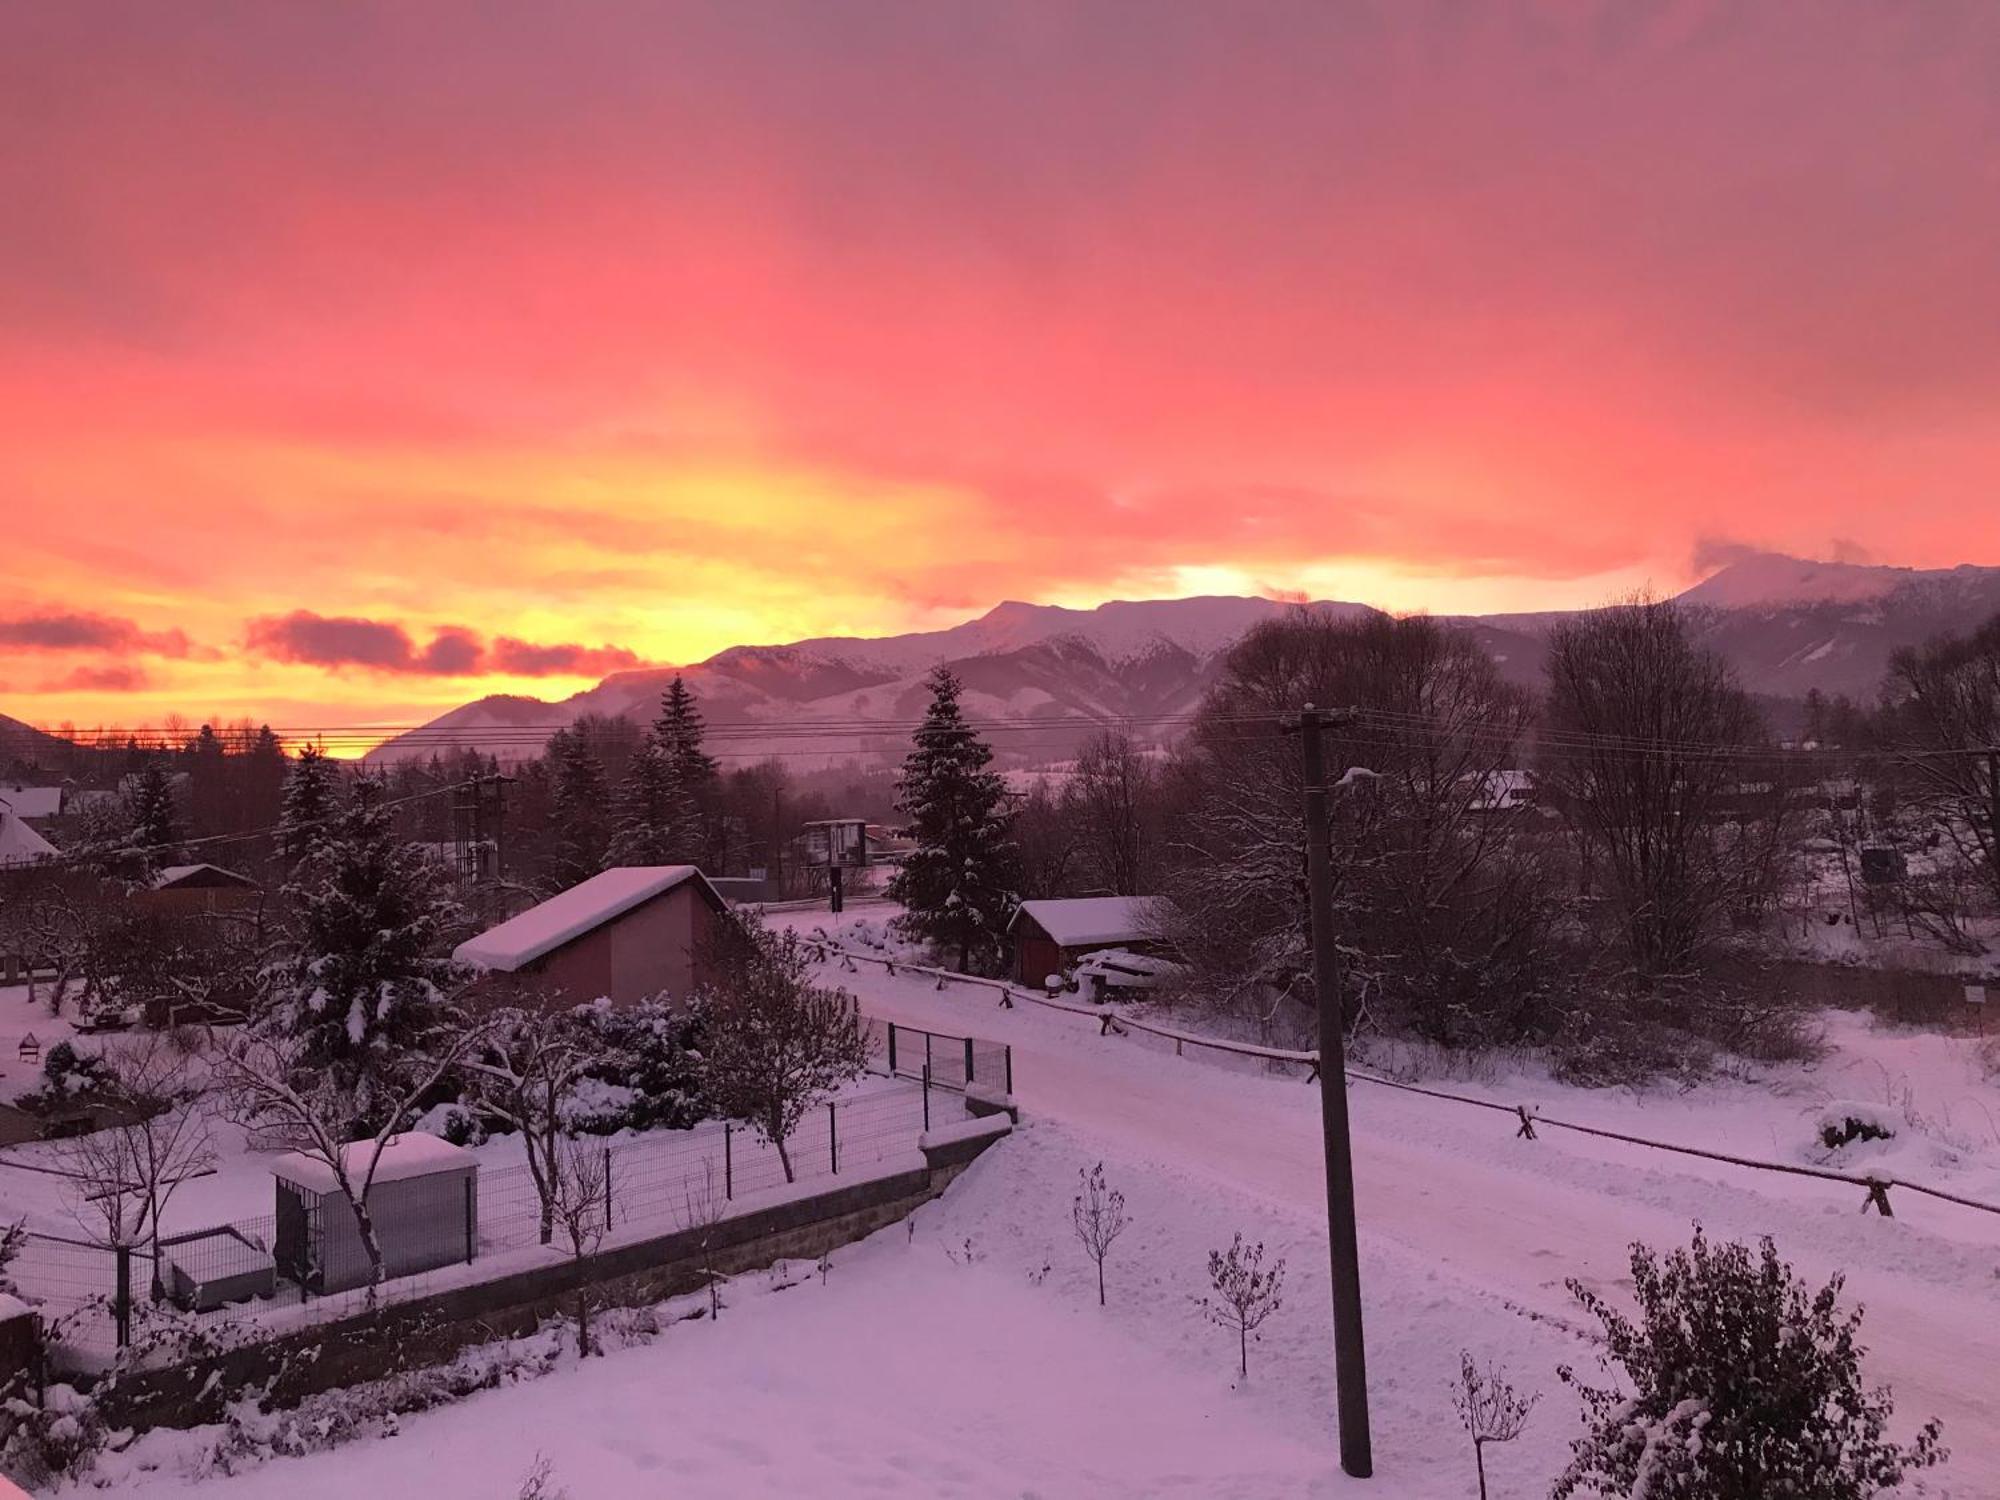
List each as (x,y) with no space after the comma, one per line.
(356,361)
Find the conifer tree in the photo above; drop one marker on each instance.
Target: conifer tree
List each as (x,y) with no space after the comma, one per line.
(155,820)
(691,775)
(578,808)
(311,802)
(364,989)
(656,816)
(957,887)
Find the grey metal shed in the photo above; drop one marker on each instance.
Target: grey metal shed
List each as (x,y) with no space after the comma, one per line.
(424,1200)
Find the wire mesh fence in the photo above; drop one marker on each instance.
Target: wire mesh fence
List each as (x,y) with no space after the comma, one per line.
(95,1300)
(947,1061)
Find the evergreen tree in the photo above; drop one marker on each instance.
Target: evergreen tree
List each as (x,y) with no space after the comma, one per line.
(578,809)
(155,820)
(957,887)
(657,823)
(312,800)
(692,771)
(364,987)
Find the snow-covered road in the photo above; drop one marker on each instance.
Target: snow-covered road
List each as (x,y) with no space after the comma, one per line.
(1513,1216)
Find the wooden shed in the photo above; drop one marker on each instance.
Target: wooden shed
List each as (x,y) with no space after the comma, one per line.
(1050,936)
(201,890)
(626,935)
(423,1199)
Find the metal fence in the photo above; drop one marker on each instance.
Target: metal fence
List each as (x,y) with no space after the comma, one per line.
(96,1300)
(943,1060)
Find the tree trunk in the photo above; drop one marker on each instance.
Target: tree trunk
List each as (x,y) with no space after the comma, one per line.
(1100,1281)
(1479,1458)
(784,1156)
(365,1223)
(582,1312)
(1243,1350)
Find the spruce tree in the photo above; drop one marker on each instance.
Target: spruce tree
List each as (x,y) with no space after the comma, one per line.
(692,776)
(364,989)
(656,816)
(578,809)
(311,802)
(957,887)
(155,820)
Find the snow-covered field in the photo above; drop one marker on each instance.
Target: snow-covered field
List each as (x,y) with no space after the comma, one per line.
(980,1373)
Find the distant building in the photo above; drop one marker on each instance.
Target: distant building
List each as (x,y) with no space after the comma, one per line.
(201,890)
(19,844)
(629,933)
(32,804)
(1050,936)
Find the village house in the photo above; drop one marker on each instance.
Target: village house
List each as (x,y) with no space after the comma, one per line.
(1050,936)
(201,890)
(627,934)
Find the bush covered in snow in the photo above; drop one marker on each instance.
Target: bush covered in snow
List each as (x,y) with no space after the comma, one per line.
(651,1075)
(1846,1121)
(68,1076)
(1747,1384)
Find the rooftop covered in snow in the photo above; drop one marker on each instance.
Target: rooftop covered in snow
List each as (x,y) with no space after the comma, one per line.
(20,844)
(1083,920)
(411,1154)
(169,876)
(567,916)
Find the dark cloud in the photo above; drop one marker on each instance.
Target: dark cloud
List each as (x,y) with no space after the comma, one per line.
(526,659)
(114,677)
(52,630)
(335,641)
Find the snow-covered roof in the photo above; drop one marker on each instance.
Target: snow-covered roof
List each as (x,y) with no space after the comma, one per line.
(176,874)
(568,916)
(31,801)
(20,844)
(1082,920)
(411,1154)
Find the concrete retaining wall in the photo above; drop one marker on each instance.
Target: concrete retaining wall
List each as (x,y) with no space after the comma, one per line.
(430,1330)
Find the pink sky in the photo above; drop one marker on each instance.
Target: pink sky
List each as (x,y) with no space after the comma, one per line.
(356,360)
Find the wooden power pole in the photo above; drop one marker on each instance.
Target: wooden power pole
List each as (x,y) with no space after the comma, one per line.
(1350,1364)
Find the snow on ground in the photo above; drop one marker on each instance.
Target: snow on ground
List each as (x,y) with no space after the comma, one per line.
(18,1021)
(1453,1185)
(948,1362)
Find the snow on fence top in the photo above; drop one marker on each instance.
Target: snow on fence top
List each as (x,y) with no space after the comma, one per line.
(565,917)
(411,1154)
(1093,919)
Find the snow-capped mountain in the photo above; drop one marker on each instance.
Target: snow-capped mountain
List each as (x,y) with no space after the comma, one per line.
(1787,625)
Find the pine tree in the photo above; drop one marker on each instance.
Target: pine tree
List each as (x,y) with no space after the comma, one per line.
(957,887)
(680,732)
(155,821)
(364,988)
(656,816)
(312,800)
(578,808)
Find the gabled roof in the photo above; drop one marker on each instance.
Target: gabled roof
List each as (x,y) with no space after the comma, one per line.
(31,801)
(168,876)
(1083,920)
(20,844)
(414,1153)
(568,916)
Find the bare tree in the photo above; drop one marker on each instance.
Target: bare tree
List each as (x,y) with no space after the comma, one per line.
(1098,1216)
(778,1044)
(580,1193)
(1947,714)
(1489,1407)
(1244,1293)
(1646,748)
(342,1123)
(1442,898)
(124,1176)
(1109,800)
(522,1074)
(705,1210)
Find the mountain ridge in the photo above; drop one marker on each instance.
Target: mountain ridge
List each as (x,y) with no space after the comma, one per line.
(1788,625)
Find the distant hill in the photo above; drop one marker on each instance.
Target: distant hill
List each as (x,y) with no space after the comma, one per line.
(1788,625)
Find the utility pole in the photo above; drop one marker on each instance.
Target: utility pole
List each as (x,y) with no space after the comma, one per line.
(1350,1364)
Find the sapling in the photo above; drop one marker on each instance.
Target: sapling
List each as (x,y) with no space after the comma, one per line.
(1244,1293)
(1099,1217)
(1490,1409)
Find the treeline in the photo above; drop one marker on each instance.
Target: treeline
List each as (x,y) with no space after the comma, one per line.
(1552,867)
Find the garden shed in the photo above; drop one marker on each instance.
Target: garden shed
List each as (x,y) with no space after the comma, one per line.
(424,1201)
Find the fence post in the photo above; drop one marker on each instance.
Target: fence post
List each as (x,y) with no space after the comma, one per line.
(122,1306)
(1010,1070)
(968,1060)
(833,1134)
(927,1097)
(607,1190)
(927,1054)
(892,1049)
(728,1163)
(471,1218)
